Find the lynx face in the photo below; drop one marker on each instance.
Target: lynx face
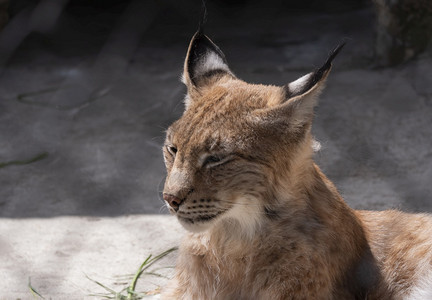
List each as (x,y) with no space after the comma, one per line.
(216,167)
(224,154)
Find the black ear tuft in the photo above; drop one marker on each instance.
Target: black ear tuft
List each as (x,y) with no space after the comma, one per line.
(203,17)
(307,82)
(320,72)
(204,59)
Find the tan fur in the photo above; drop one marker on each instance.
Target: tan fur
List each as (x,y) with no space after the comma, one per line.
(264,221)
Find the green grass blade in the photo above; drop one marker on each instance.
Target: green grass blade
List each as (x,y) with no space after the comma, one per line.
(103,286)
(36,158)
(146,264)
(33,291)
(132,294)
(150,262)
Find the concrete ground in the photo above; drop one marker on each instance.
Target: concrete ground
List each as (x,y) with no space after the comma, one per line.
(87,92)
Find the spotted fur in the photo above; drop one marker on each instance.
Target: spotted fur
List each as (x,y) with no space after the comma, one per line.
(264,222)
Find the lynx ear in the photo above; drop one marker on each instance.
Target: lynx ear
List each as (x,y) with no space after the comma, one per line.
(204,61)
(308,82)
(299,97)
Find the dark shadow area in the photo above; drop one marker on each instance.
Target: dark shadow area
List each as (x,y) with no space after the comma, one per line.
(89,87)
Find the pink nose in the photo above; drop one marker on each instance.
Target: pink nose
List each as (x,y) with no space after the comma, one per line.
(173,201)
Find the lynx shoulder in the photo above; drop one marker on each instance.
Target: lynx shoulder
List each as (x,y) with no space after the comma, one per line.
(263,221)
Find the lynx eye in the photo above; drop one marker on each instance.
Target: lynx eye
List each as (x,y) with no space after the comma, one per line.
(212,159)
(171,150)
(215,160)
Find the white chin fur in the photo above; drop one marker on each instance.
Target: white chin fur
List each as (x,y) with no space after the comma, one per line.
(423,289)
(247,213)
(244,216)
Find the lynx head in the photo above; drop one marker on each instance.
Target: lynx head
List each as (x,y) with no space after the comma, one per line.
(239,149)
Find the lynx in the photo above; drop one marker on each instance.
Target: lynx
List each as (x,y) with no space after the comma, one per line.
(263,221)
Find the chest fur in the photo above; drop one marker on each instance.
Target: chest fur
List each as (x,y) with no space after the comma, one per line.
(266,271)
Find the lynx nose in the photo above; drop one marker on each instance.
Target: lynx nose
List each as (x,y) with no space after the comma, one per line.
(173,201)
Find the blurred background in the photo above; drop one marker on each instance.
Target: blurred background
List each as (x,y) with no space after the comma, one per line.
(87,89)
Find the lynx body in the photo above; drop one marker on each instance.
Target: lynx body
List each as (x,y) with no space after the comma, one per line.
(264,222)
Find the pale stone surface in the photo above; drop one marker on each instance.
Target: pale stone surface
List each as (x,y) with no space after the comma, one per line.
(58,253)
